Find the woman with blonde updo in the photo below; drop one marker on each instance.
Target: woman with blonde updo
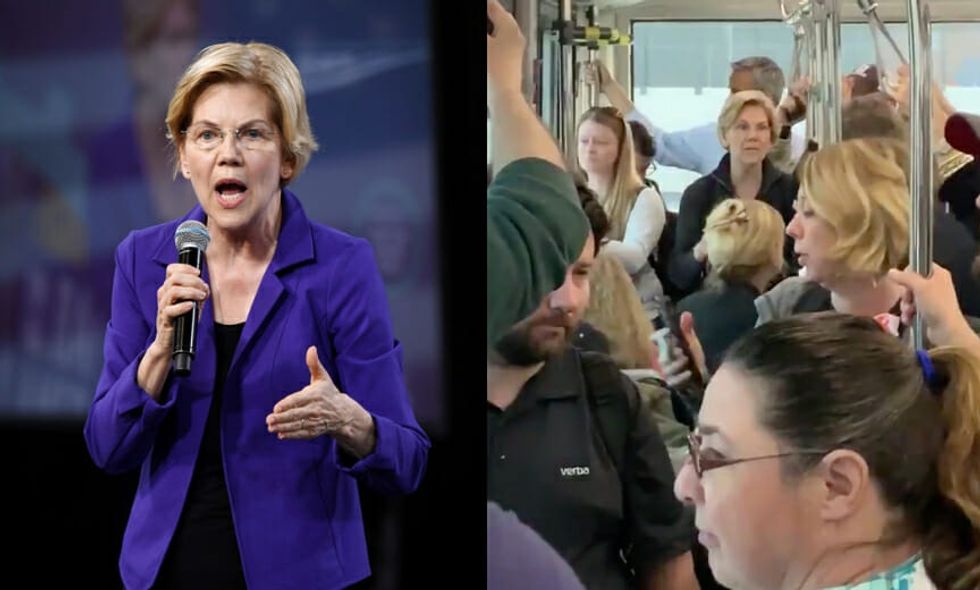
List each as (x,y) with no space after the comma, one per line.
(744,247)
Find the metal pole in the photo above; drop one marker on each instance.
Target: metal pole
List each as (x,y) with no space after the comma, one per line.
(567,91)
(526,13)
(920,177)
(550,106)
(879,31)
(808,49)
(822,94)
(832,73)
(826,18)
(594,89)
(814,112)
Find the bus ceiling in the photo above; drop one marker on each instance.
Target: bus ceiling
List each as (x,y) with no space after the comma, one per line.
(890,10)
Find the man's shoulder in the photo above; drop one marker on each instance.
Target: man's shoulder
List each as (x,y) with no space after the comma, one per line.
(517,556)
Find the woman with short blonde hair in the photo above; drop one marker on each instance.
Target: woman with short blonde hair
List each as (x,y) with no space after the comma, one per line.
(851,226)
(297,395)
(263,66)
(733,107)
(747,129)
(859,188)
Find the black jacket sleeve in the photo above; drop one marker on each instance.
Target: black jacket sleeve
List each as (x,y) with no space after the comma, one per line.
(788,190)
(685,271)
(658,526)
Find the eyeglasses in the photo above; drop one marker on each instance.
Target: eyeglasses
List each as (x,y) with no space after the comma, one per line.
(254,136)
(702,464)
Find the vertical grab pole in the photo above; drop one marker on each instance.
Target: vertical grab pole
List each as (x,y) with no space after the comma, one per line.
(526,13)
(826,17)
(593,53)
(814,111)
(567,93)
(822,94)
(832,72)
(921,177)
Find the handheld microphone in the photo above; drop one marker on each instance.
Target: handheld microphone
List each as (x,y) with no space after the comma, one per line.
(192,240)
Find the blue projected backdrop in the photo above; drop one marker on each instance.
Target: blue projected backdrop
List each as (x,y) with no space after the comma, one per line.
(84,88)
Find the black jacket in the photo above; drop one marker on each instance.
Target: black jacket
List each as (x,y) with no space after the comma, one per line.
(961,190)
(548,461)
(778,189)
(954,248)
(722,315)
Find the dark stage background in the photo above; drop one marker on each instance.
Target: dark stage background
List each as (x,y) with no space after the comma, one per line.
(84,88)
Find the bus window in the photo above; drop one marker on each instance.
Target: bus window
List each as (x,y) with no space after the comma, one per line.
(680,94)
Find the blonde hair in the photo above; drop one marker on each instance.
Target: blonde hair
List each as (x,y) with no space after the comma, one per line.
(742,238)
(734,106)
(859,187)
(626,184)
(616,311)
(260,64)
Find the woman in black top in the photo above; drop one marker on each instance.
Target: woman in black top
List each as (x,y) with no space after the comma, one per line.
(961,190)
(746,127)
(744,244)
(204,552)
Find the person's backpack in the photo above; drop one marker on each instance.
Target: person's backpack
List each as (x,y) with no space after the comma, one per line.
(613,414)
(614,403)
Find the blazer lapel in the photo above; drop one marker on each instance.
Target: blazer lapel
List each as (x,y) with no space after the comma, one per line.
(295,246)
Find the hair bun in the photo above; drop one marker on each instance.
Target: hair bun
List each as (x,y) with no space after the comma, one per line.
(735,214)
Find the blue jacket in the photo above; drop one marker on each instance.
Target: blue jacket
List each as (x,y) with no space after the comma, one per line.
(294,503)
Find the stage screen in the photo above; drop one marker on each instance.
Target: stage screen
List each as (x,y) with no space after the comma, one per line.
(84,88)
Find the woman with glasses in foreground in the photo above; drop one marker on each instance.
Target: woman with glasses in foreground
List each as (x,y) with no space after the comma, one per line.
(830,455)
(250,466)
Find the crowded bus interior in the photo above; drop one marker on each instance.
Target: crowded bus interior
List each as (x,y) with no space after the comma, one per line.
(733,294)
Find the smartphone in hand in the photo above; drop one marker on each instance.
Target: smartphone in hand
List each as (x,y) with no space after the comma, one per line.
(672,319)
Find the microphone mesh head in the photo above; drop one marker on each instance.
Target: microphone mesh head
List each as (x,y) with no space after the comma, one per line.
(192,234)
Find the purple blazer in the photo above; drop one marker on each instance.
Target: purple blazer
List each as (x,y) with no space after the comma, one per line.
(294,503)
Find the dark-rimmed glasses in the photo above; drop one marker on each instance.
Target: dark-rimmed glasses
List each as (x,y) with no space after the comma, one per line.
(702,464)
